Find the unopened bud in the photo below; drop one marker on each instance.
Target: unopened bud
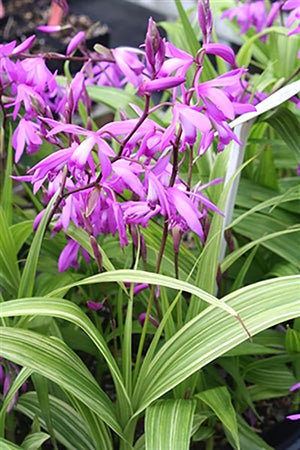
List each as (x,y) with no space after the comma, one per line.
(97,253)
(142,318)
(176,234)
(104,51)
(94,306)
(92,201)
(143,249)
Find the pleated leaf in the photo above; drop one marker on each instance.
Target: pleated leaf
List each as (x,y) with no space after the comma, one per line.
(140,276)
(168,424)
(69,428)
(34,441)
(212,333)
(219,400)
(51,358)
(67,310)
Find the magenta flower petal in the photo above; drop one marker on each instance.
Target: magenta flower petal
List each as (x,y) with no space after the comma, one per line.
(74,42)
(68,256)
(221,50)
(293,417)
(160,84)
(187,210)
(24,46)
(49,28)
(295,387)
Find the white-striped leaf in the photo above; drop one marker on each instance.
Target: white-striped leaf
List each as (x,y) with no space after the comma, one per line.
(168,424)
(213,332)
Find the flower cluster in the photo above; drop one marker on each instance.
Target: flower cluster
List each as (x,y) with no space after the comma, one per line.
(255,14)
(120,176)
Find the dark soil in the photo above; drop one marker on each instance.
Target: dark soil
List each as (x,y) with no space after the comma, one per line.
(24,16)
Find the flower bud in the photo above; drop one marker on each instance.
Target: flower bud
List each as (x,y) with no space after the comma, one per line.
(92,200)
(205,19)
(142,318)
(176,234)
(25,45)
(97,253)
(155,47)
(74,42)
(94,306)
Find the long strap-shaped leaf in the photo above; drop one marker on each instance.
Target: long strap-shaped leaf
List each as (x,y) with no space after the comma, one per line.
(168,424)
(213,332)
(69,427)
(54,360)
(140,276)
(67,310)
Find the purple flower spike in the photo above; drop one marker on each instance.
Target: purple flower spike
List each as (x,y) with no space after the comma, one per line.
(94,306)
(298,167)
(142,318)
(49,28)
(75,41)
(24,46)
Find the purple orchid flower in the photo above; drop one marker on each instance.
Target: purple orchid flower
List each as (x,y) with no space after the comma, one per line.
(25,134)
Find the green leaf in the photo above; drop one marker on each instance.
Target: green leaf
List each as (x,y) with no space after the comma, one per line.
(234,256)
(140,276)
(41,388)
(21,232)
(6,445)
(28,276)
(168,424)
(34,441)
(287,125)
(67,310)
(244,55)
(69,428)
(51,358)
(292,340)
(212,333)
(97,429)
(9,269)
(249,439)
(219,400)
(113,97)
(188,29)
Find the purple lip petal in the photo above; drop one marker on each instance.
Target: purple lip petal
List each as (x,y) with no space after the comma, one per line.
(49,28)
